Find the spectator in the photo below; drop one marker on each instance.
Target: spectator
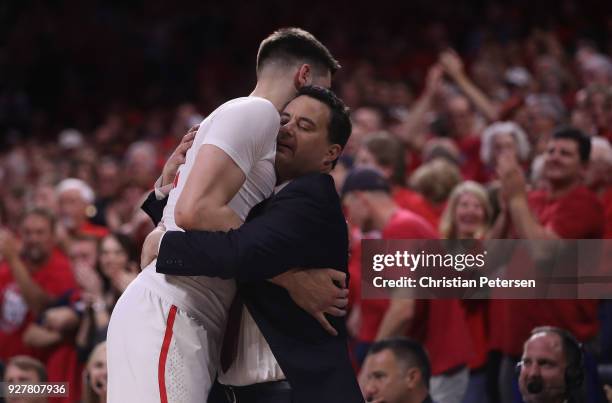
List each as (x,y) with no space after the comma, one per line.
(76,201)
(95,376)
(366,120)
(24,369)
(83,252)
(370,206)
(45,197)
(90,302)
(594,110)
(453,67)
(465,131)
(30,281)
(566,210)
(118,263)
(14,206)
(503,137)
(386,154)
(108,181)
(436,180)
(467,214)
(123,213)
(598,176)
(141,162)
(552,367)
(539,117)
(397,371)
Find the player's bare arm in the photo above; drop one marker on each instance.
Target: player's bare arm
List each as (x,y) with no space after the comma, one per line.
(203,202)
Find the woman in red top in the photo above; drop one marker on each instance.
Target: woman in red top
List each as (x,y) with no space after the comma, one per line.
(468,216)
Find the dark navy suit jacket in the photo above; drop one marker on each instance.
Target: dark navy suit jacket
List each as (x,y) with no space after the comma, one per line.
(301,226)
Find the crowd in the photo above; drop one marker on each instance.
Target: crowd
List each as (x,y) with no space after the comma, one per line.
(508,138)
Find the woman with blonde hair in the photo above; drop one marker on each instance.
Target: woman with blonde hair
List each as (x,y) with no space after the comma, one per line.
(95,376)
(467,214)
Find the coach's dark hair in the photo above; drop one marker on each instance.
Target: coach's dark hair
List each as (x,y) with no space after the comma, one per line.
(294,44)
(339,127)
(581,139)
(408,352)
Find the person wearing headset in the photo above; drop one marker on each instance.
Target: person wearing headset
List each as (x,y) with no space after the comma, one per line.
(552,368)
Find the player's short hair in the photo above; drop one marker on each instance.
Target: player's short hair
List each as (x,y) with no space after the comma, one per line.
(291,45)
(582,141)
(339,127)
(408,352)
(26,363)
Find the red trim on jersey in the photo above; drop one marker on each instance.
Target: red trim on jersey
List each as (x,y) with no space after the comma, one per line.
(163,355)
(175,181)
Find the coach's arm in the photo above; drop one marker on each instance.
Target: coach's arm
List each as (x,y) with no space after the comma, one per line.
(286,236)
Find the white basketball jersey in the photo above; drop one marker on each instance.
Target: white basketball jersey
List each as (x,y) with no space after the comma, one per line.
(246,130)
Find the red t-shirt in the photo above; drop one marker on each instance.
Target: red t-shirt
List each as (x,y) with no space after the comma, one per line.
(415,202)
(440,325)
(403,224)
(471,166)
(476,317)
(55,277)
(575,215)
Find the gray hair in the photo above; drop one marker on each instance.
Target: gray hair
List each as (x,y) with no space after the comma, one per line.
(87,194)
(497,128)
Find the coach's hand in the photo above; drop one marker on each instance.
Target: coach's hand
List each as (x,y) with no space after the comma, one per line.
(150,248)
(316,291)
(177,158)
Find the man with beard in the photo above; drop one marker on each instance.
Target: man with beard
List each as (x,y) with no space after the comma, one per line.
(30,280)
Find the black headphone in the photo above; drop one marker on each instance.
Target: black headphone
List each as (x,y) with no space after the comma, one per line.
(574,353)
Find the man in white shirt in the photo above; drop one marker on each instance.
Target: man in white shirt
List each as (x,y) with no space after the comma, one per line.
(165,333)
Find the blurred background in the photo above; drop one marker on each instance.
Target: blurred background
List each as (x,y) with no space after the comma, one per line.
(95,95)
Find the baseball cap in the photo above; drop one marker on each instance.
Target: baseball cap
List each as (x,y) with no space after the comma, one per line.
(365,179)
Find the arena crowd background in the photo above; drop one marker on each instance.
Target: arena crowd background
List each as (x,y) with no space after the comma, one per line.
(102,91)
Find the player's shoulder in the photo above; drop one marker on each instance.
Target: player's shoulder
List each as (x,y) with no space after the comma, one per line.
(249,106)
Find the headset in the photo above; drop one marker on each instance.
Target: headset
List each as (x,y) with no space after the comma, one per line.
(574,353)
